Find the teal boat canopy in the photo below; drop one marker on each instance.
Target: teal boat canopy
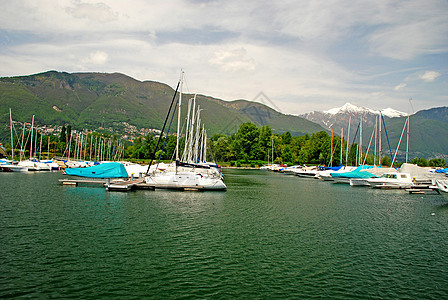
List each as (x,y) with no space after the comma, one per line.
(357,173)
(104,170)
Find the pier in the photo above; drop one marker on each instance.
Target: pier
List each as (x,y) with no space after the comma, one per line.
(111,185)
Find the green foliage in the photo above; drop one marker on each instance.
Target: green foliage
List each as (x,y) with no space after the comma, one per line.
(435,162)
(386,161)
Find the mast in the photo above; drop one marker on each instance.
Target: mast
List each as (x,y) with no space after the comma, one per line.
(21,145)
(348,140)
(376,134)
(12,136)
(69,145)
(196,139)
(91,142)
(407,142)
(331,157)
(360,141)
(399,142)
(48,149)
(178,116)
(31,144)
(205,146)
(40,146)
(342,143)
(184,155)
(379,140)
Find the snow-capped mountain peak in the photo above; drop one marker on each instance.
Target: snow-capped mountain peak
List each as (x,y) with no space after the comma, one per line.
(354,109)
(392,113)
(349,108)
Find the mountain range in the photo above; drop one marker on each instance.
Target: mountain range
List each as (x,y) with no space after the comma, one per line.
(93,100)
(428,128)
(337,118)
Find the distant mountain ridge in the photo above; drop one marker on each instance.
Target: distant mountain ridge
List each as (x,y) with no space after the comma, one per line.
(337,118)
(428,128)
(91,100)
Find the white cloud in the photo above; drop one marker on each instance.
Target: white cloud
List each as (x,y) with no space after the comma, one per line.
(429,76)
(98,12)
(302,53)
(400,86)
(233,60)
(96,58)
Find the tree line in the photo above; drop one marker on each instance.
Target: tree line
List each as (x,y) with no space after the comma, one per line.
(249,145)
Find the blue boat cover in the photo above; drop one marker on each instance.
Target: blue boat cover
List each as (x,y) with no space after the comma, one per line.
(356,173)
(442,170)
(104,170)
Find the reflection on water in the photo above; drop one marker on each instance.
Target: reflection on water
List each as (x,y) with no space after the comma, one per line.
(270,235)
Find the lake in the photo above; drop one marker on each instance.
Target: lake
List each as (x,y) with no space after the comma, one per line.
(269,235)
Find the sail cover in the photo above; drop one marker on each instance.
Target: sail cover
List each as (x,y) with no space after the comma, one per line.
(104,170)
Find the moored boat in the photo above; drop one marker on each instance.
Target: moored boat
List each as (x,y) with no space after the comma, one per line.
(392,181)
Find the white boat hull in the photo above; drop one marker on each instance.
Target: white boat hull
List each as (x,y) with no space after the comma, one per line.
(186,180)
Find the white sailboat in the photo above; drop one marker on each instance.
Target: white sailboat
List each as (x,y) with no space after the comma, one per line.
(195,172)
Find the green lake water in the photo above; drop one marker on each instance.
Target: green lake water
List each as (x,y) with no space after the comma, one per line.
(268,236)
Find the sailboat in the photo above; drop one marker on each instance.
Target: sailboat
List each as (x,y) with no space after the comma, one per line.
(192,171)
(10,166)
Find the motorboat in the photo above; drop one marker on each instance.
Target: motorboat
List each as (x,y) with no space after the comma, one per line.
(392,180)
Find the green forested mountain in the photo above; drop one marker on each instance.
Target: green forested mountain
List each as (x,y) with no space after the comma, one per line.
(428,133)
(91,100)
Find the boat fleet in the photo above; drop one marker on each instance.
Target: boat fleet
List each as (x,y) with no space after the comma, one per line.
(408,176)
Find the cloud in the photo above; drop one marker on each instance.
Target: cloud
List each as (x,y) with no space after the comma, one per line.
(400,86)
(97,12)
(233,60)
(429,76)
(301,53)
(96,58)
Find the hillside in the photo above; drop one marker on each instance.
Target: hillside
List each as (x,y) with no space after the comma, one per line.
(91,100)
(428,133)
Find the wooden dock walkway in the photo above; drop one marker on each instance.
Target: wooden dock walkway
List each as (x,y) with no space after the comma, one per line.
(111,185)
(121,185)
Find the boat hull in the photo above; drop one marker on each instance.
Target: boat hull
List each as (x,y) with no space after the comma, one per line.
(185,181)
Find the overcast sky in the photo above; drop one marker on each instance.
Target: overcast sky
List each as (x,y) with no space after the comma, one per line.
(303,55)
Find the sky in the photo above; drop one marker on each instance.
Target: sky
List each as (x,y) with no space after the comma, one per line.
(299,55)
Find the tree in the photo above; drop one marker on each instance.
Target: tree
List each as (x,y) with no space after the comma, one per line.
(386,161)
(437,162)
(246,137)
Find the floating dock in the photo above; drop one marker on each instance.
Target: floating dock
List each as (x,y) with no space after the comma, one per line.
(111,185)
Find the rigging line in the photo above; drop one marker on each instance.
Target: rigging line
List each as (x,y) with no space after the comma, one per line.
(387,136)
(168,132)
(163,128)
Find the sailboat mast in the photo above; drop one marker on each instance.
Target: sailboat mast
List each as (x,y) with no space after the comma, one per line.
(21,145)
(40,146)
(178,115)
(184,155)
(331,157)
(360,142)
(31,144)
(376,134)
(348,140)
(12,136)
(379,140)
(342,143)
(407,143)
